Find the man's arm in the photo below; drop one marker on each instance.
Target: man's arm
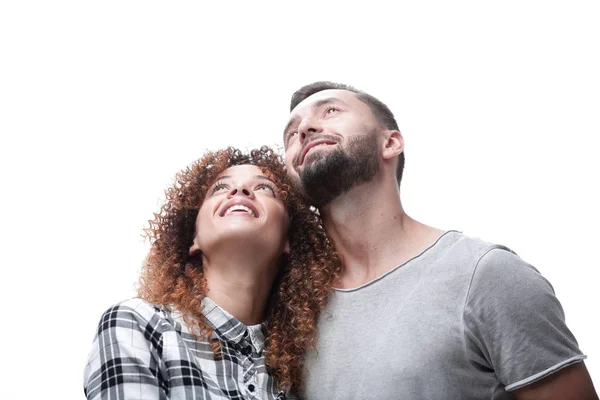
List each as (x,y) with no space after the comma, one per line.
(570,383)
(515,322)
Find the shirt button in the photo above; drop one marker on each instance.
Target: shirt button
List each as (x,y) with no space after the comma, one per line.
(251,387)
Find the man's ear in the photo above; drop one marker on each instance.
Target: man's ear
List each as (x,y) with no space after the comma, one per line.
(194,249)
(393,144)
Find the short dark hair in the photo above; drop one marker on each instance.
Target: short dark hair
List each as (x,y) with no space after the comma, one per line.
(381,111)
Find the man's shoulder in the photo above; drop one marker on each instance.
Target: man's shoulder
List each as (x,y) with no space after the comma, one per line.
(455,244)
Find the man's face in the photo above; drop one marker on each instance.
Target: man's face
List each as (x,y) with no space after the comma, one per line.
(332,144)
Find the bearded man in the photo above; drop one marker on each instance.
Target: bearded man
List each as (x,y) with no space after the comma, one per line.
(418,313)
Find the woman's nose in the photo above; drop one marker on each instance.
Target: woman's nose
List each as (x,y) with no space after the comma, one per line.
(241,190)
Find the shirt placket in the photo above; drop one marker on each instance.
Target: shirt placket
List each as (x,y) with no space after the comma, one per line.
(250,376)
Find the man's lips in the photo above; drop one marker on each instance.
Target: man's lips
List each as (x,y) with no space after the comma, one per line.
(239,202)
(313,144)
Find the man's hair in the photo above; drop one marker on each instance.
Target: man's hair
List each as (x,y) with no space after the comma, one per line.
(382,112)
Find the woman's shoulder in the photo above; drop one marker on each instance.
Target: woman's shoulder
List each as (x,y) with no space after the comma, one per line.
(137,314)
(142,306)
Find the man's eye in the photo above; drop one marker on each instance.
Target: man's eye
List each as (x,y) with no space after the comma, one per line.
(291,135)
(330,110)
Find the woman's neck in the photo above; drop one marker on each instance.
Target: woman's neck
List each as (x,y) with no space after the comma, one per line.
(240,284)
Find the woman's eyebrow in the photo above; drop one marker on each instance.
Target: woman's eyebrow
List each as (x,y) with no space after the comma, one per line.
(254,177)
(264,177)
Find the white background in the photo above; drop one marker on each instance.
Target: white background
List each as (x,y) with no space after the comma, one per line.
(101,103)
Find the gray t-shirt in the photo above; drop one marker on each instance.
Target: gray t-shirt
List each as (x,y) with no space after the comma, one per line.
(463,320)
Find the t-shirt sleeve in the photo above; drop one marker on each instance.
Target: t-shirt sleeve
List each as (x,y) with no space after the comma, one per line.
(125,361)
(514,324)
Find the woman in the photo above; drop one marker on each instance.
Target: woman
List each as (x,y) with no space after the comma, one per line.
(230,292)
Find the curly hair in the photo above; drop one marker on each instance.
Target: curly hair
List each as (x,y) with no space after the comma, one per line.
(172,277)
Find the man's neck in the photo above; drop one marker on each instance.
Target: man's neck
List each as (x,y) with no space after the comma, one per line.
(240,285)
(372,233)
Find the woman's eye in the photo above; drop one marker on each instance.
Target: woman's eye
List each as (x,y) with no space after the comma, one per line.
(218,187)
(267,188)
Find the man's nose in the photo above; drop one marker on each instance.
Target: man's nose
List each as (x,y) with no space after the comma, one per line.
(307,128)
(240,190)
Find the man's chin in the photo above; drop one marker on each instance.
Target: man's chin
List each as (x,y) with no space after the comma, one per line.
(325,175)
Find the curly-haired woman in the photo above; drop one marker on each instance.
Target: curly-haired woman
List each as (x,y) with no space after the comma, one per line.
(230,292)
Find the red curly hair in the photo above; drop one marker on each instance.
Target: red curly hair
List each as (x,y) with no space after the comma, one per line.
(172,277)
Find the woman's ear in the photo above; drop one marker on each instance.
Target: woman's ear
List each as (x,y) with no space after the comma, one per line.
(194,249)
(286,249)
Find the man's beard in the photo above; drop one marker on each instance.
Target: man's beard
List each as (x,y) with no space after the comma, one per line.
(339,171)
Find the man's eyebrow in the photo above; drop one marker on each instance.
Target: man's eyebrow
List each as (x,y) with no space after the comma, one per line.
(322,102)
(290,124)
(316,104)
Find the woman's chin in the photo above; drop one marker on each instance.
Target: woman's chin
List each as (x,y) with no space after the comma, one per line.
(243,239)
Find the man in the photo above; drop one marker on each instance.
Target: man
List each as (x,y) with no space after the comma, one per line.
(419,313)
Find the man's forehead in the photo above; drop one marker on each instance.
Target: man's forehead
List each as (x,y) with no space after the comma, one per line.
(341,94)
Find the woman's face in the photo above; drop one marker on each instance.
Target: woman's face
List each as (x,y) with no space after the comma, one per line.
(242,206)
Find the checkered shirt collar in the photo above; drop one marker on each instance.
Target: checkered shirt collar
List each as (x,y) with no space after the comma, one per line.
(229,328)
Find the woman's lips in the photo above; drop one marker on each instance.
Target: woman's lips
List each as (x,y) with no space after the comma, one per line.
(241,206)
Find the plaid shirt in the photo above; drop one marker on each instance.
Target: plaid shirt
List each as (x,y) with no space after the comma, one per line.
(145,352)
